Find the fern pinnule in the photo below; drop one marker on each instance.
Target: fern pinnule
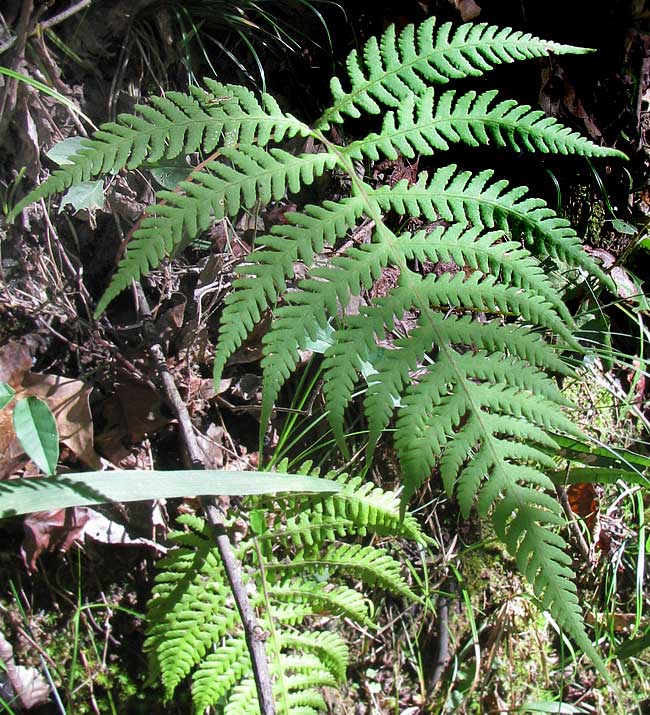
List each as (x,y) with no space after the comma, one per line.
(472,199)
(262,281)
(253,177)
(177,124)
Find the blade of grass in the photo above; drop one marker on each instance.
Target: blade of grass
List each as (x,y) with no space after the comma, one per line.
(22,496)
(49,91)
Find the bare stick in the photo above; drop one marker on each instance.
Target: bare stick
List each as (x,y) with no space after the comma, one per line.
(252,631)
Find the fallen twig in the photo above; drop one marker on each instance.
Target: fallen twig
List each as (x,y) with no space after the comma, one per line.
(252,631)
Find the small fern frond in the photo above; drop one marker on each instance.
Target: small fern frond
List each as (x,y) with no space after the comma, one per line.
(374,566)
(390,71)
(426,124)
(339,601)
(304,575)
(219,672)
(327,646)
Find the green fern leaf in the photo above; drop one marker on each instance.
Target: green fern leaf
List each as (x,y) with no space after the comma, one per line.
(471,199)
(426,124)
(262,281)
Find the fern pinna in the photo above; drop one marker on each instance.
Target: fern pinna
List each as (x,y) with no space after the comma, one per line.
(298,567)
(470,388)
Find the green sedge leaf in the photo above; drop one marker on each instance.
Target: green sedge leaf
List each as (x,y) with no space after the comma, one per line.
(22,496)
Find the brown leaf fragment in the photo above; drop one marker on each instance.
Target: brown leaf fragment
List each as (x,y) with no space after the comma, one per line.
(15,363)
(27,684)
(106,531)
(583,500)
(138,408)
(468,9)
(51,531)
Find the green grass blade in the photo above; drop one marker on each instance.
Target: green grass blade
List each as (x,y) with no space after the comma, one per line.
(22,496)
(35,427)
(47,90)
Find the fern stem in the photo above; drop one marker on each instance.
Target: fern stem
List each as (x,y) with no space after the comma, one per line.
(271,624)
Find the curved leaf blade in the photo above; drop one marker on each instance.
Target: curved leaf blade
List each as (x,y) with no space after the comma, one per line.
(22,496)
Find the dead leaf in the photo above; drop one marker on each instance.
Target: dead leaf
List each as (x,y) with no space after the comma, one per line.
(583,500)
(211,445)
(27,684)
(51,531)
(626,288)
(102,529)
(137,409)
(468,9)
(15,363)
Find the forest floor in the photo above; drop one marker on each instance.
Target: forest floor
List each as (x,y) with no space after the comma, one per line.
(74,584)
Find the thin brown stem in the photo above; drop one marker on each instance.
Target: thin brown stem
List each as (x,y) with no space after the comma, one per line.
(214,512)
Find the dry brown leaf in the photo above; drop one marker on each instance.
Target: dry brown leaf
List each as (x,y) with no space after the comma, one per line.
(15,363)
(468,9)
(51,531)
(583,500)
(28,685)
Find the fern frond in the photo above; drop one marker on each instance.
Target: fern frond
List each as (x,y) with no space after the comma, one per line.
(426,124)
(340,600)
(394,367)
(177,124)
(309,308)
(219,672)
(390,71)
(374,566)
(327,646)
(194,628)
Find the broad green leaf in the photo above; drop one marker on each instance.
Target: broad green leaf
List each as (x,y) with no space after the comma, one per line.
(624,227)
(86,195)
(633,646)
(35,427)
(22,496)
(6,394)
(170,174)
(62,151)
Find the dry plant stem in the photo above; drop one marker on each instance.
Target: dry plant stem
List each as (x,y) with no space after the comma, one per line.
(252,631)
(9,94)
(50,22)
(573,524)
(442,645)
